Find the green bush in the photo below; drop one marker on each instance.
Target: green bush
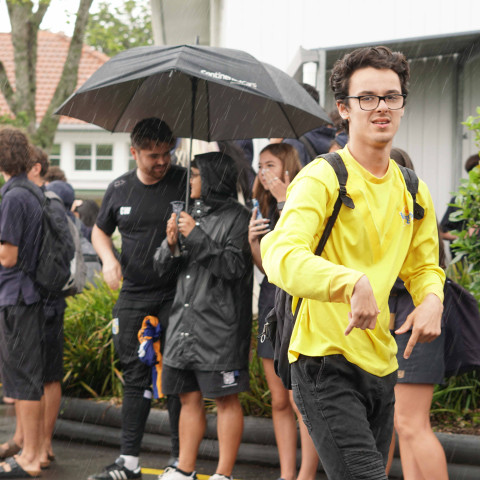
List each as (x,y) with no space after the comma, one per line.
(257,401)
(91,367)
(459,397)
(467,244)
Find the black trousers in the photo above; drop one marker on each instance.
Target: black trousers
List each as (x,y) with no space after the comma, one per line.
(128,316)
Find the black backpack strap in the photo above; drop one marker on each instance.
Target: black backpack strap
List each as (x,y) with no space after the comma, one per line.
(335,160)
(27,185)
(411,180)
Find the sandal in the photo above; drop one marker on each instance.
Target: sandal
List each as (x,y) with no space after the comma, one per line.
(10,450)
(14,470)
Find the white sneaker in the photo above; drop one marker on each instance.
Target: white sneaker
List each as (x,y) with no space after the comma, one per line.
(218,476)
(171,473)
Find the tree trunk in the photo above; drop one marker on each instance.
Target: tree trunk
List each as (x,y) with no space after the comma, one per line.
(46,131)
(25,25)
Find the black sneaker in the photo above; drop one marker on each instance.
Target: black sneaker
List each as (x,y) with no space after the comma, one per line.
(117,471)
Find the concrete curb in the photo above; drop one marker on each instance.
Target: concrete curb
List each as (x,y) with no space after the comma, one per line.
(99,422)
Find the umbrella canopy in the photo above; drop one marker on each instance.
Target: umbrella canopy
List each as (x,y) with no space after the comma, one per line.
(201,92)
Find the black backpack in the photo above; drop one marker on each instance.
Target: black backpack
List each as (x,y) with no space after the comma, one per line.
(280,321)
(57,249)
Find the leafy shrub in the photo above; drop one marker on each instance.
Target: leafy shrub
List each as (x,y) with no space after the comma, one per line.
(460,396)
(467,244)
(257,401)
(90,363)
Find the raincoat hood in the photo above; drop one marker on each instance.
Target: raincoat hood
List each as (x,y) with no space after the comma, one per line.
(219,177)
(64,190)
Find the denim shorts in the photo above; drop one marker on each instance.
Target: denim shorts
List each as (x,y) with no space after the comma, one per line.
(348,413)
(425,365)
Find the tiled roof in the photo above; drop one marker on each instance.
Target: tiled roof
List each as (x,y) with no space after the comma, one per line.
(52,53)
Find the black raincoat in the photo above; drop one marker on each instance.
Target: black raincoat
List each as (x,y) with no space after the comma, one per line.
(210,320)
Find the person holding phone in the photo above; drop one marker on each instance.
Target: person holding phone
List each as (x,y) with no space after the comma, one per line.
(278,164)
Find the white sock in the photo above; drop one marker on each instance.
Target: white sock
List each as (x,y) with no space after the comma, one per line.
(131,462)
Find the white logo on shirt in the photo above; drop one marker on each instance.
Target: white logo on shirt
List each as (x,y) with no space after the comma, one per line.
(125,210)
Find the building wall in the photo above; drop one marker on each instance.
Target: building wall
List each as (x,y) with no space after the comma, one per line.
(427,129)
(92,180)
(273,30)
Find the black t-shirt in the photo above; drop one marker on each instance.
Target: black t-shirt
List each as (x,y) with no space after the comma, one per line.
(141,213)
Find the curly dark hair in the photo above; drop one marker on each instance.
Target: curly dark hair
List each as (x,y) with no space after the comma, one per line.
(54,172)
(15,151)
(40,156)
(376,57)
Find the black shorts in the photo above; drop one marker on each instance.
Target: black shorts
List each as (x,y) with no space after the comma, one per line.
(426,363)
(22,351)
(212,384)
(54,314)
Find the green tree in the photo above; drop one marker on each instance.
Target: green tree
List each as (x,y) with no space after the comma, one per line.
(114,29)
(467,200)
(25,21)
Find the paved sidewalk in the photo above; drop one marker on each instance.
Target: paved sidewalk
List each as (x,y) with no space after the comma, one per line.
(87,437)
(76,459)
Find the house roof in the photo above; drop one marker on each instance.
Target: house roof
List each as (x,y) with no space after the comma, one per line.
(465,44)
(51,55)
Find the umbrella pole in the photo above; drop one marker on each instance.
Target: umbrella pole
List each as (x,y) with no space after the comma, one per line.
(187,194)
(192,125)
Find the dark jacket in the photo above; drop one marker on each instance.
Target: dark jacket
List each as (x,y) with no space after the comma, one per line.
(319,141)
(210,320)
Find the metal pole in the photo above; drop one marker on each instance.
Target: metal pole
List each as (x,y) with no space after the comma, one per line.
(192,125)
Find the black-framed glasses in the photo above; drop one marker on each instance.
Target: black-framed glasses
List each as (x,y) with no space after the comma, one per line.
(394,101)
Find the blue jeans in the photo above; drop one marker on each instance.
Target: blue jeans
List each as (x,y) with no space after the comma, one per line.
(349,414)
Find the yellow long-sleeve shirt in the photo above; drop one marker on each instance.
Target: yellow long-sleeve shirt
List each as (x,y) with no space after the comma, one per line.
(378,238)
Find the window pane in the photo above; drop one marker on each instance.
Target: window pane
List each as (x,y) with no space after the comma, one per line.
(104,150)
(55,150)
(83,150)
(83,164)
(54,162)
(104,164)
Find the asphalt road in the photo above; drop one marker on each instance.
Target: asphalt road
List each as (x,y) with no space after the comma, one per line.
(78,460)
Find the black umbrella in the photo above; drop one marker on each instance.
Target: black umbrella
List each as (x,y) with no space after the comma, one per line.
(201,92)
